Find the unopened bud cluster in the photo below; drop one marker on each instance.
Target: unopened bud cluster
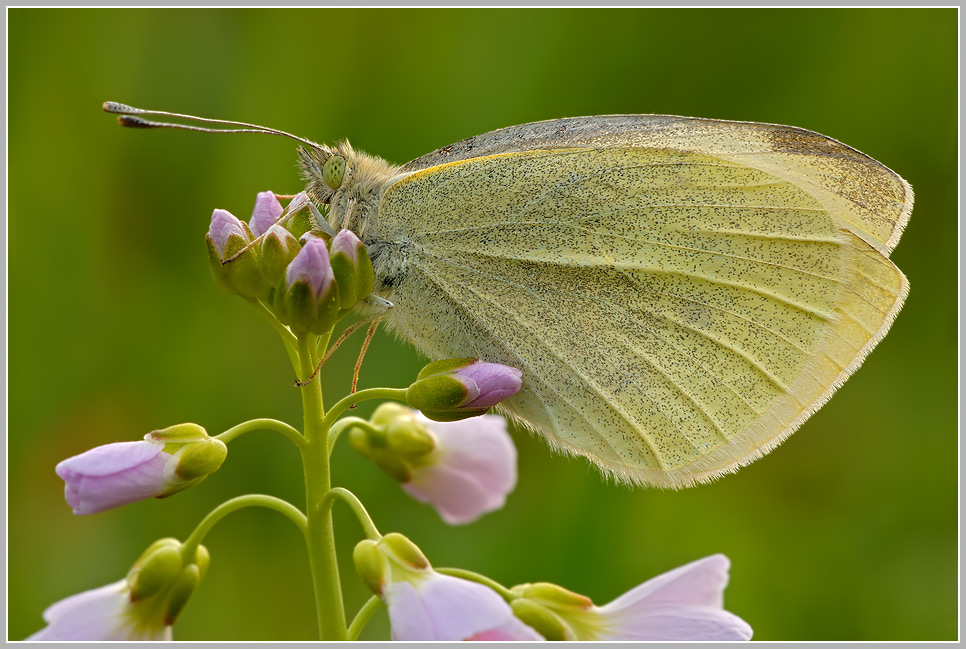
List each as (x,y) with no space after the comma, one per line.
(308,285)
(163,579)
(397,442)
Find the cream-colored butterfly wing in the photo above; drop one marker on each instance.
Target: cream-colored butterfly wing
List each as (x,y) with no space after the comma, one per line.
(676,314)
(866,197)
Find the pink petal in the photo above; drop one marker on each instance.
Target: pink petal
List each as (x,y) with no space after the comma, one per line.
(100,614)
(495,382)
(682,604)
(113,475)
(512,629)
(699,583)
(677,623)
(110,458)
(440,607)
(475,468)
(346,242)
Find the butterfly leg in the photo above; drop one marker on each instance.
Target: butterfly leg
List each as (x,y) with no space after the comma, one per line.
(377,308)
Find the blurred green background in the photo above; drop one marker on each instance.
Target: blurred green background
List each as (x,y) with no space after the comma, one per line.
(847,531)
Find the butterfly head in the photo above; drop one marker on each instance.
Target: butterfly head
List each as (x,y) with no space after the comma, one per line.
(339,176)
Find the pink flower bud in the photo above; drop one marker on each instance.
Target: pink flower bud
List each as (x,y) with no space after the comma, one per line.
(351,267)
(266,213)
(223,225)
(458,388)
(347,243)
(493,382)
(311,265)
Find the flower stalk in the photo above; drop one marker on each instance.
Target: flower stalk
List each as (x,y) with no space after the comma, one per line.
(320,535)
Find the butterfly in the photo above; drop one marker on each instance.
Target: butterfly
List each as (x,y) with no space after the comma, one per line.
(681,294)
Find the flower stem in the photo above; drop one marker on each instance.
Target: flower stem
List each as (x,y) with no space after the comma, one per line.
(345,424)
(263,424)
(469,575)
(362,617)
(357,508)
(397,394)
(320,536)
(288,338)
(250,500)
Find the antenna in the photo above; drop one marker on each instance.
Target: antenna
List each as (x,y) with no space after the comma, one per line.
(129,116)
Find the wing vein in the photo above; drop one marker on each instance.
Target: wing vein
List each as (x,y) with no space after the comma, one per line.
(620,411)
(630,266)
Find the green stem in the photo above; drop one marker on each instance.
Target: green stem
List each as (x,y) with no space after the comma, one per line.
(469,575)
(362,617)
(345,424)
(263,424)
(397,394)
(288,338)
(229,506)
(320,536)
(357,508)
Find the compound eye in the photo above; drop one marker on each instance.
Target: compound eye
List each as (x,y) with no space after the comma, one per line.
(333,171)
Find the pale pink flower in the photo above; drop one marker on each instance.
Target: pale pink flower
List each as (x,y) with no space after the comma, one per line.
(105,613)
(117,474)
(471,470)
(433,606)
(685,604)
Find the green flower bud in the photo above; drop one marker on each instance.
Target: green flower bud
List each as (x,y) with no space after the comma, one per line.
(405,551)
(154,547)
(437,394)
(387,413)
(195,455)
(396,468)
(202,559)
(542,620)
(359,439)
(178,433)
(396,442)
(409,438)
(182,588)
(199,459)
(371,564)
(154,571)
(553,595)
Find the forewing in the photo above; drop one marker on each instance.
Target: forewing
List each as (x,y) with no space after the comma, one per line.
(675,314)
(860,194)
